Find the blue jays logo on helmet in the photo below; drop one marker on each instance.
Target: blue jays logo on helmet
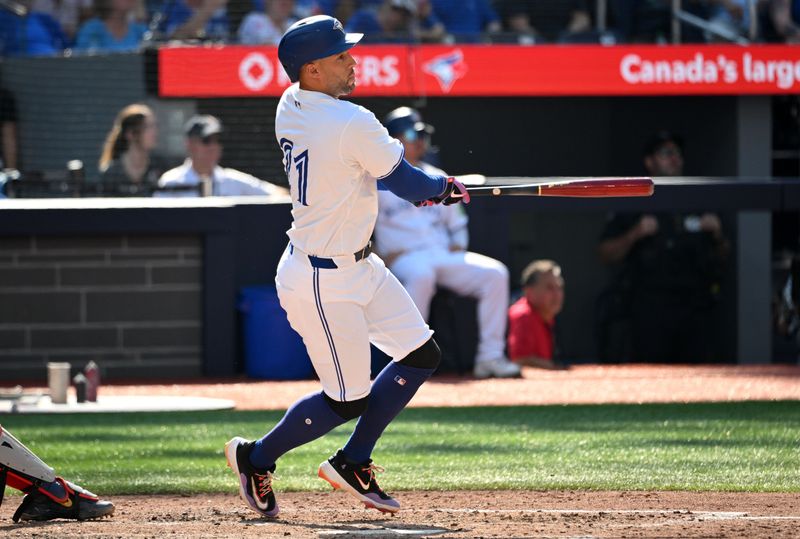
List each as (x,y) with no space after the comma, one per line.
(310,39)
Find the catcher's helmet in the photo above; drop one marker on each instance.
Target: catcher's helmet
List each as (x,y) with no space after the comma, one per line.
(405,121)
(310,39)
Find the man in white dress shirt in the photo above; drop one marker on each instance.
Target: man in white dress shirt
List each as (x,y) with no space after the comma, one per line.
(201,175)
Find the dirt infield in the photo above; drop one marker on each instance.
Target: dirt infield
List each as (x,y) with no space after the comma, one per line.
(478,513)
(444,514)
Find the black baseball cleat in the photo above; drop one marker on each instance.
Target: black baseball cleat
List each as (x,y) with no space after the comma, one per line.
(61,499)
(255,486)
(359,480)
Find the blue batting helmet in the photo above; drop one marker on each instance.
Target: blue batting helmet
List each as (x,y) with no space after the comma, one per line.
(310,39)
(405,121)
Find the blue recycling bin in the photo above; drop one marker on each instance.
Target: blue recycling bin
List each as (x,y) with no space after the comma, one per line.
(272,349)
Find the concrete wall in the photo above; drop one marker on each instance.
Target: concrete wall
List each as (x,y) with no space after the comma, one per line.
(131,303)
(130,283)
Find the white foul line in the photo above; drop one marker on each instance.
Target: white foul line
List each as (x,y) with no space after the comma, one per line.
(715,515)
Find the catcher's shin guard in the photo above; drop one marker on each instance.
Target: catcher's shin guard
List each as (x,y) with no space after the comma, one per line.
(18,458)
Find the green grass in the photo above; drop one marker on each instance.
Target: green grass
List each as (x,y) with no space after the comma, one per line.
(748,446)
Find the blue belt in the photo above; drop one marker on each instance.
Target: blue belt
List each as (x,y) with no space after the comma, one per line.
(329,263)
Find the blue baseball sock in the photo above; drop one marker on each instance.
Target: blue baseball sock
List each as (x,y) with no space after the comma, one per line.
(392,389)
(306,420)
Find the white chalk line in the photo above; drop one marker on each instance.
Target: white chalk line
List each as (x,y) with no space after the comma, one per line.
(681,517)
(709,515)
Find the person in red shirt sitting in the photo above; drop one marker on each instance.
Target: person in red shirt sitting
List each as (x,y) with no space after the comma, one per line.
(532,318)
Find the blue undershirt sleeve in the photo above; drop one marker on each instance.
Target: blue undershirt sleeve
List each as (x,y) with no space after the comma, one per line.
(412,184)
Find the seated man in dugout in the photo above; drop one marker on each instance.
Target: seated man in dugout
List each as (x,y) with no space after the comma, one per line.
(426,247)
(532,319)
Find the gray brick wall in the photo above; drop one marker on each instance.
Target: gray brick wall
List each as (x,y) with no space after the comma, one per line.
(133,304)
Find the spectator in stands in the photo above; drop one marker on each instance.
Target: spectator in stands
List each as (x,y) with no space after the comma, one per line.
(732,17)
(344,9)
(201,175)
(195,19)
(8,130)
(126,165)
(268,26)
(425,247)
(532,318)
(782,23)
(113,29)
(547,21)
(430,28)
(646,21)
(305,8)
(70,14)
(467,20)
(392,22)
(670,271)
(395,21)
(34,34)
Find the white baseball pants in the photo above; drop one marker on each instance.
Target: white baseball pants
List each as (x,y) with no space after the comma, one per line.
(338,312)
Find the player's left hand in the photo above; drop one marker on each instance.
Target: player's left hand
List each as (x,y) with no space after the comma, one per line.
(454,193)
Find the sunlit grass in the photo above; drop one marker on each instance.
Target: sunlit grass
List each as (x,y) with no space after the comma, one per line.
(748,446)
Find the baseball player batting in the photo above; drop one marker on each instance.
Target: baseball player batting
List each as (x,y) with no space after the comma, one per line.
(338,295)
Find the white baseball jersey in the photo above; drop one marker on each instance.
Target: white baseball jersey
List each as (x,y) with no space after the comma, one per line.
(333,152)
(225,182)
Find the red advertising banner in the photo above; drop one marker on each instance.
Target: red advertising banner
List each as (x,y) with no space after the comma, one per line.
(498,70)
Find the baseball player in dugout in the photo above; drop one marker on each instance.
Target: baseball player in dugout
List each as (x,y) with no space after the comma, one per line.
(201,175)
(426,247)
(47,496)
(532,318)
(338,295)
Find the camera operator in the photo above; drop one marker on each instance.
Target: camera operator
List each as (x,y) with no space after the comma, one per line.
(669,272)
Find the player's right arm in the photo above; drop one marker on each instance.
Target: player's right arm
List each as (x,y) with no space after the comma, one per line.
(367,142)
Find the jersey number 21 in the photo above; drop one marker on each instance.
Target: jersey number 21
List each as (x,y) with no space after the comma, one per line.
(301,165)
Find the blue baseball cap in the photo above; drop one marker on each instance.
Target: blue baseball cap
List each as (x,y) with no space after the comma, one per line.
(310,39)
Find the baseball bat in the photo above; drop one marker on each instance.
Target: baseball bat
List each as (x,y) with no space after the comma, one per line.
(570,187)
